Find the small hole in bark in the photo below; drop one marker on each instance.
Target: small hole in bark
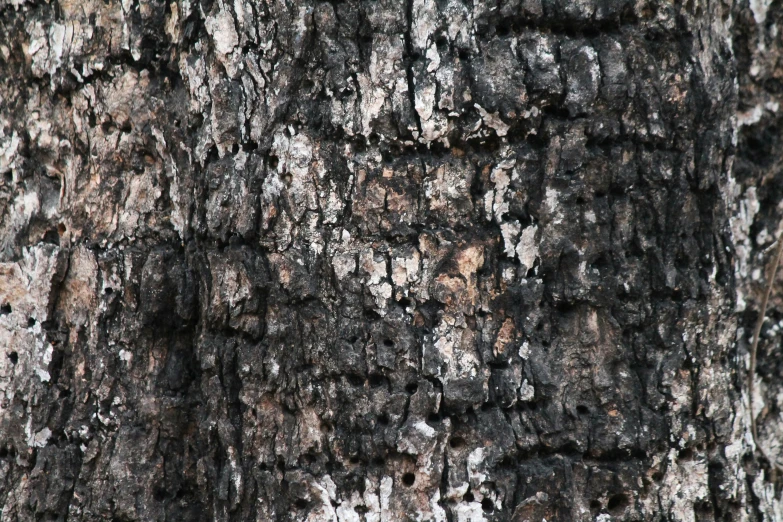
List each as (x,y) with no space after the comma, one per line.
(273,162)
(468,497)
(8,177)
(433,418)
(353,339)
(499,365)
(5,309)
(300,503)
(405,302)
(371,315)
(51,236)
(354,460)
(355,379)
(565,307)
(409,479)
(487,505)
(595,505)
(159,494)
(582,410)
(64,394)
(411,388)
(686,454)
(383,419)
(108,290)
(376,379)
(638,454)
(61,229)
(388,342)
(649,11)
(235,148)
(307,84)
(457,442)
(602,264)
(30,322)
(14,357)
(108,127)
(195,121)
(618,501)
(249,146)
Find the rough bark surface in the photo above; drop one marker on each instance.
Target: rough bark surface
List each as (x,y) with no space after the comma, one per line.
(379,260)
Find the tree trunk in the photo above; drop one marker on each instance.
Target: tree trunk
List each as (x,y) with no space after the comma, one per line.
(380,260)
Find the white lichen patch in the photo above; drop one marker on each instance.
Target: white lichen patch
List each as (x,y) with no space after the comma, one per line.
(493,121)
(760,8)
(684,485)
(495,204)
(524,350)
(40,439)
(526,392)
(510,232)
(406,269)
(469,512)
(475,465)
(8,148)
(221,28)
(373,267)
(523,246)
(296,157)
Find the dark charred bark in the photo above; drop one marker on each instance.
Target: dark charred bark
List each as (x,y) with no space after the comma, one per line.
(388,260)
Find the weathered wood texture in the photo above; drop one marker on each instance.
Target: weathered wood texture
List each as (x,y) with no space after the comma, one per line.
(380,260)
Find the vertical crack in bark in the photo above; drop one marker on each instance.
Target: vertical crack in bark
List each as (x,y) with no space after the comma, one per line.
(762,315)
(410,59)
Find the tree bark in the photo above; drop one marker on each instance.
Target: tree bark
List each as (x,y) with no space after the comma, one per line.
(380,260)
